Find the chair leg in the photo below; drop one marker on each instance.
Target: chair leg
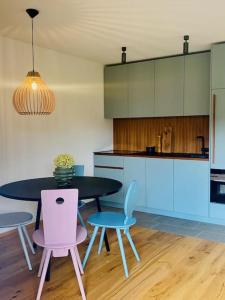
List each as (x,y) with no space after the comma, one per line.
(82,222)
(28,238)
(133,246)
(101,240)
(78,260)
(45,267)
(42,262)
(90,246)
(122,251)
(76,267)
(81,219)
(24,247)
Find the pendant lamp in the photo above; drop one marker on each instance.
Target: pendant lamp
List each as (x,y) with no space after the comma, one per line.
(33,97)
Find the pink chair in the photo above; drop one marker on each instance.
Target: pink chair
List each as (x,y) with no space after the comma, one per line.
(61,233)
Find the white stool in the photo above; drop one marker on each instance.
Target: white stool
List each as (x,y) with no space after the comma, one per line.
(19,220)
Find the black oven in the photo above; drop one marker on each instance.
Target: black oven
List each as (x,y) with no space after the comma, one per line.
(217,182)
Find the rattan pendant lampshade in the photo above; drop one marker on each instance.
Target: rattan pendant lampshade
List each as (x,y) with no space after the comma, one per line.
(33,97)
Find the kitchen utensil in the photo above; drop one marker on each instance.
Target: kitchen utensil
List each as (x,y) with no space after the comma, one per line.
(167,140)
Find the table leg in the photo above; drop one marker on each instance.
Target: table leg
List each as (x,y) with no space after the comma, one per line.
(38,216)
(105,236)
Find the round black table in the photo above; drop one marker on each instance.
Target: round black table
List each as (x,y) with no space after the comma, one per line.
(89,187)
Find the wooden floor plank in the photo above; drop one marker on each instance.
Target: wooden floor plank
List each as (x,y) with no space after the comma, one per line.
(172,267)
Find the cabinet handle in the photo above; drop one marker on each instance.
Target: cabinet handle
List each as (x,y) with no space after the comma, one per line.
(108,167)
(213,127)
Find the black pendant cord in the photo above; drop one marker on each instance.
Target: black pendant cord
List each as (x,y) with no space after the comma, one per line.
(32,12)
(33,43)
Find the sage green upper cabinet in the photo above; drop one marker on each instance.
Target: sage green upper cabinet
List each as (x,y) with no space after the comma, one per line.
(141,89)
(218,66)
(197,84)
(116,91)
(169,86)
(173,86)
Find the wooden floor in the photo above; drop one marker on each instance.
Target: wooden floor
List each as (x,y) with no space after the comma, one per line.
(171,267)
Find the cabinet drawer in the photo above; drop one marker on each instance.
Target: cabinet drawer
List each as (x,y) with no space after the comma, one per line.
(109,161)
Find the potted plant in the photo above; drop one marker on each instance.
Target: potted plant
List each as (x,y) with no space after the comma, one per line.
(64,170)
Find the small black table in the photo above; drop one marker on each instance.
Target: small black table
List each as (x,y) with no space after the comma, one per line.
(89,187)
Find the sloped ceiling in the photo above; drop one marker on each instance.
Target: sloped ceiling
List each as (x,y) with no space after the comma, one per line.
(96,29)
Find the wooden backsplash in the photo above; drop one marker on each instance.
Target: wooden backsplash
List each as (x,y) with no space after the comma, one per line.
(137,133)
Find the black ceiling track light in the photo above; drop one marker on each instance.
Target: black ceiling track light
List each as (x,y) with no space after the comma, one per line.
(186,44)
(124,55)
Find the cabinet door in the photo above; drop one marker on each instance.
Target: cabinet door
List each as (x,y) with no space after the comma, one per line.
(197,84)
(218,66)
(141,89)
(191,187)
(116,174)
(217,211)
(169,86)
(134,169)
(218,129)
(159,183)
(116,91)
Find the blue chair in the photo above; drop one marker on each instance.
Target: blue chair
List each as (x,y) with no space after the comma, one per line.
(19,220)
(118,221)
(78,170)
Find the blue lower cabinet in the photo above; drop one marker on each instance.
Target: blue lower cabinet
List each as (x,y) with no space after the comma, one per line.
(159,183)
(134,169)
(116,174)
(217,211)
(191,187)
(173,187)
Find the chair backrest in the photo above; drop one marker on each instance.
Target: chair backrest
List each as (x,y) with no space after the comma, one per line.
(130,200)
(78,170)
(59,208)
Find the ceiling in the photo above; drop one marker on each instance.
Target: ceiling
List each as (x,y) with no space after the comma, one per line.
(96,29)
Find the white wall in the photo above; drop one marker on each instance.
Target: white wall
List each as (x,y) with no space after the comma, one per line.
(29,143)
